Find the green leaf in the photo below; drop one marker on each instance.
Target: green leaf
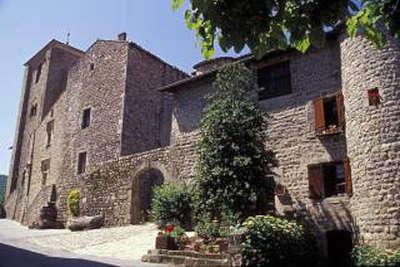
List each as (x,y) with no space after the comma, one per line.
(176,4)
(303,44)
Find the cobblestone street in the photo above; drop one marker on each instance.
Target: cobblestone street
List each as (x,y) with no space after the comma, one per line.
(119,246)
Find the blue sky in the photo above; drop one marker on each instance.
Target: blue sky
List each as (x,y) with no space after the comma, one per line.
(27,25)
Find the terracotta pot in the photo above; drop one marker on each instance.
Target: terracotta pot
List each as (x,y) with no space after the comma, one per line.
(166,242)
(223,244)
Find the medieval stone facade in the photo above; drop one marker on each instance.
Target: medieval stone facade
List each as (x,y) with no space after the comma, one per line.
(121,120)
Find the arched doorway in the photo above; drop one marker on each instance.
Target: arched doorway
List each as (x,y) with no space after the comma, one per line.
(142,193)
(340,245)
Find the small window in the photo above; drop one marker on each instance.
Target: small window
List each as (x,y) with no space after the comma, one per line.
(91,66)
(33,110)
(329,179)
(274,81)
(45,168)
(86,116)
(38,73)
(81,162)
(374,98)
(49,130)
(329,114)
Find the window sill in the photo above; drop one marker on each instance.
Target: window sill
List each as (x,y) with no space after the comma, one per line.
(330,131)
(336,199)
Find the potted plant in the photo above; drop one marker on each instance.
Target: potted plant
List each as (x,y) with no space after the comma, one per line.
(168,239)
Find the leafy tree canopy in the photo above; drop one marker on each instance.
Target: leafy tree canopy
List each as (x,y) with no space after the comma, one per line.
(264,25)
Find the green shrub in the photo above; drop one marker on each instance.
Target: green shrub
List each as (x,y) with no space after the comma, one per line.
(233,167)
(274,242)
(172,203)
(73,202)
(210,228)
(365,256)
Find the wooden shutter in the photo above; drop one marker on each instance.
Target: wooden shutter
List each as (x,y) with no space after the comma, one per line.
(340,109)
(315,181)
(347,177)
(319,115)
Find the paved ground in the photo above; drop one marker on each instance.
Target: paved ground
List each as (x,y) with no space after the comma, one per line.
(120,246)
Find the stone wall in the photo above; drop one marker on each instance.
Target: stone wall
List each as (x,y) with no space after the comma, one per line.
(97,82)
(107,188)
(373,138)
(31,139)
(291,134)
(147,112)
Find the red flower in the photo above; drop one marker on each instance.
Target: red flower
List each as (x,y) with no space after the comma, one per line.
(169,228)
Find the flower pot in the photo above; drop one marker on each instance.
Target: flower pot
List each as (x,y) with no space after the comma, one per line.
(166,242)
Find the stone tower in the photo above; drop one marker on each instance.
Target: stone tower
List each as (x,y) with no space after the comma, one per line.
(44,81)
(371,89)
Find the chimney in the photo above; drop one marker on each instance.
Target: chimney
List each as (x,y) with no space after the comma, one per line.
(122,36)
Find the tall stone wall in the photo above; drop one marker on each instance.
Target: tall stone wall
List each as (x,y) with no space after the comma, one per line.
(31,146)
(97,82)
(373,137)
(147,112)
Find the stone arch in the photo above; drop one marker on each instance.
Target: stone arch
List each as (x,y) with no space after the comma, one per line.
(145,177)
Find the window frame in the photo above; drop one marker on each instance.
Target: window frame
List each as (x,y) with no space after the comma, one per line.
(38,73)
(320,126)
(49,132)
(33,110)
(279,71)
(86,123)
(82,162)
(317,188)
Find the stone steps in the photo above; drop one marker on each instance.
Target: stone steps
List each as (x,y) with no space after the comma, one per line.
(186,258)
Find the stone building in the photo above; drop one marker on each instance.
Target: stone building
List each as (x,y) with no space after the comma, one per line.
(116,120)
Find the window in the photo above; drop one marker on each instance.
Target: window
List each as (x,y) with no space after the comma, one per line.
(45,168)
(38,73)
(329,114)
(33,110)
(374,98)
(86,118)
(81,162)
(274,81)
(329,179)
(49,130)
(91,66)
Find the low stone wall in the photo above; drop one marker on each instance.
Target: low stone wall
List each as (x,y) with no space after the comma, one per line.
(107,189)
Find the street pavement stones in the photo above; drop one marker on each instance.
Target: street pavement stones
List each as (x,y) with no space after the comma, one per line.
(118,246)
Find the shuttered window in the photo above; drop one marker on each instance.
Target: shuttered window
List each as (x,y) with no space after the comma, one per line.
(329,114)
(347,174)
(315,181)
(340,109)
(319,114)
(329,179)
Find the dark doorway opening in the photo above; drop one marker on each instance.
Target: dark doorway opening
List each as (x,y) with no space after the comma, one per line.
(340,245)
(142,194)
